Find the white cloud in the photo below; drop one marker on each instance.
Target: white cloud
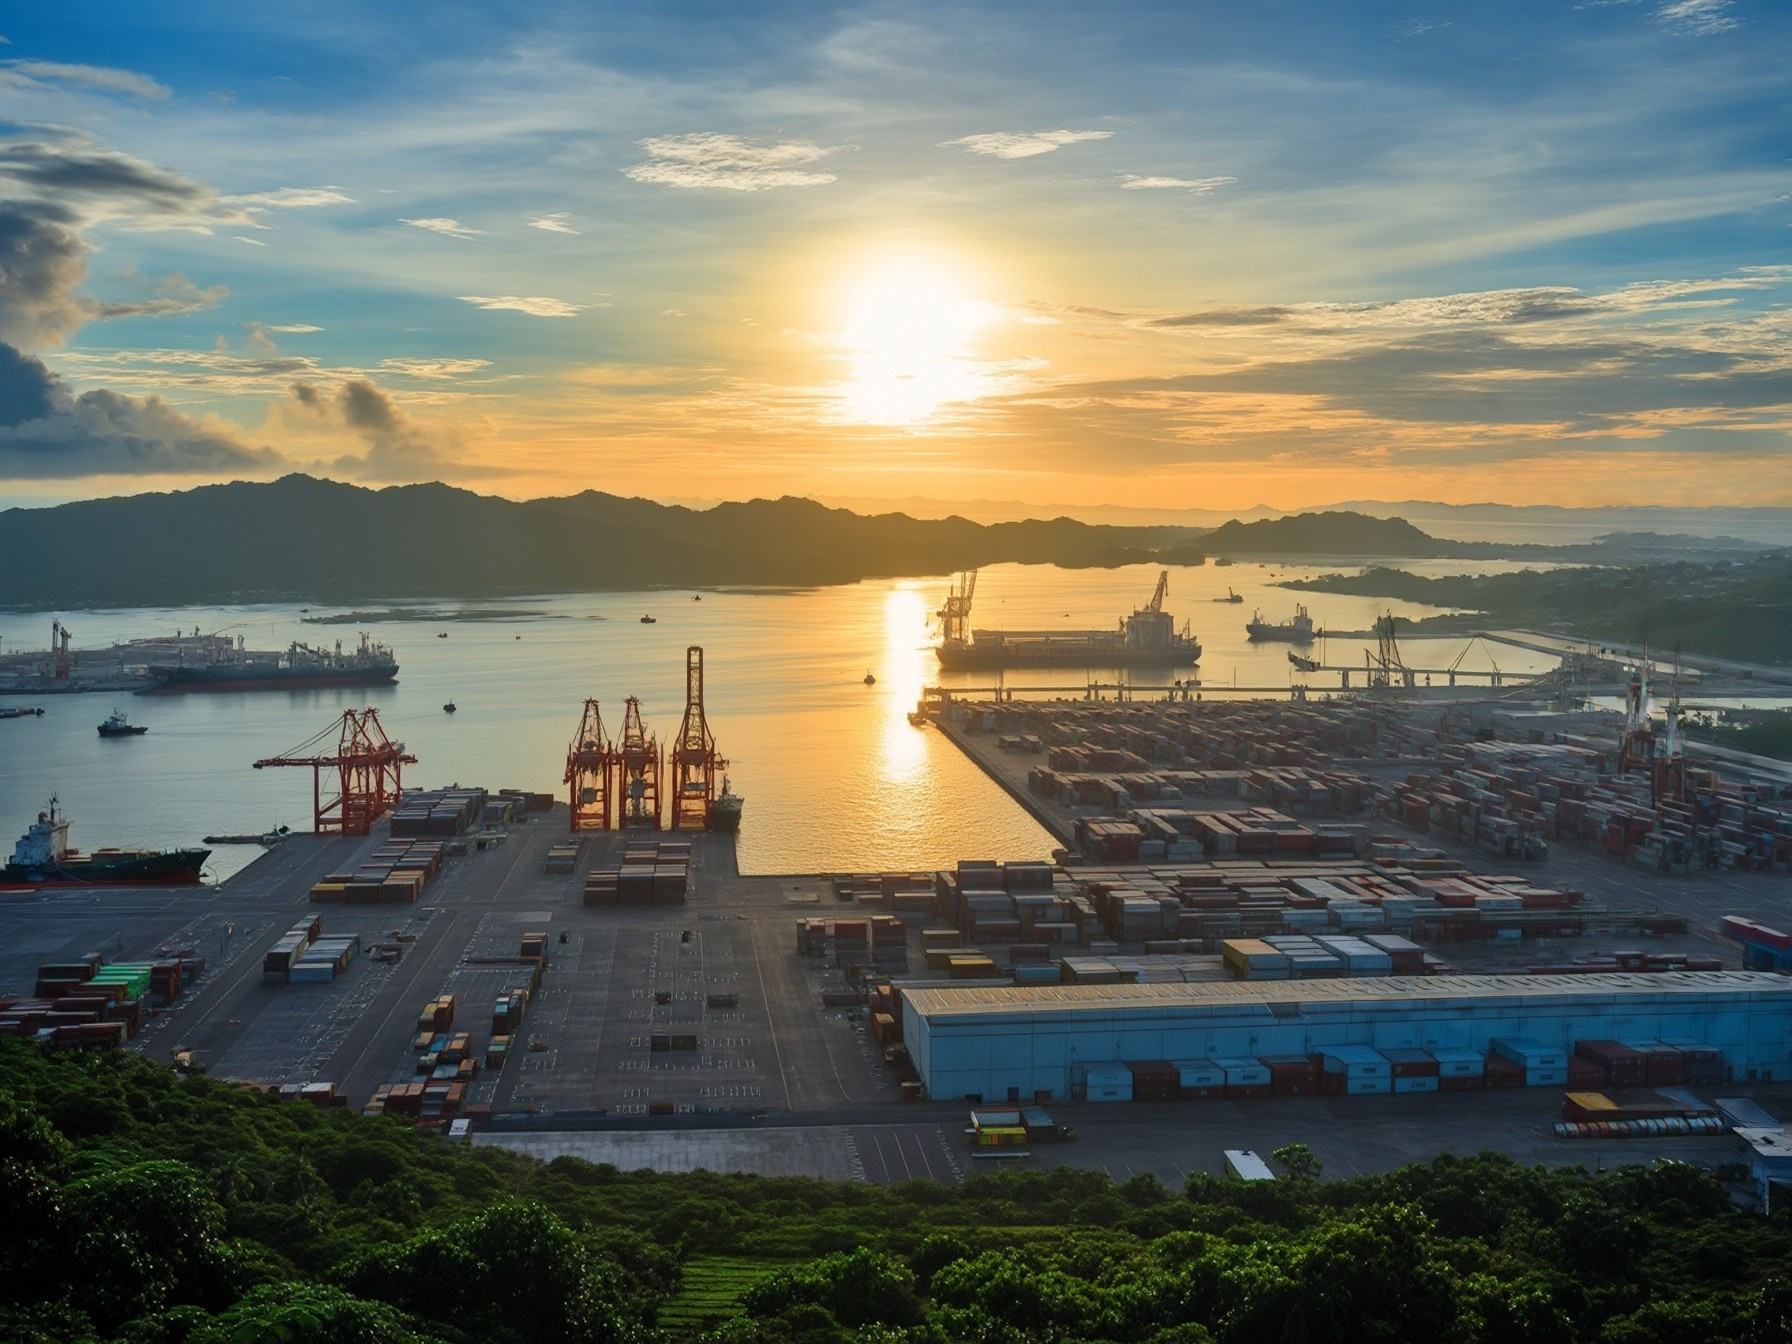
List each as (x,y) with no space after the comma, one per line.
(1199,185)
(448,228)
(534,305)
(291,198)
(1417,27)
(95,76)
(558,222)
(673,312)
(294,328)
(253,242)
(1699,18)
(429,368)
(710,159)
(1022,144)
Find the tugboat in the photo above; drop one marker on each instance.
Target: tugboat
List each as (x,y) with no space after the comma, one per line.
(724,812)
(119,726)
(1229,597)
(1299,630)
(649,620)
(448,708)
(42,858)
(870,680)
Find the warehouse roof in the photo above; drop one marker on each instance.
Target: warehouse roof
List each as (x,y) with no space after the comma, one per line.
(959,1001)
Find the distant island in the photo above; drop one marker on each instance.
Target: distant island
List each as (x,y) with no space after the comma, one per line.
(300,539)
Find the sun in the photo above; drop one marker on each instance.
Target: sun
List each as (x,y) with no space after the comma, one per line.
(908,324)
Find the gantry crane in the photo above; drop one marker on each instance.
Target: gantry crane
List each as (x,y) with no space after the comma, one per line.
(638,763)
(955,616)
(590,761)
(369,768)
(695,764)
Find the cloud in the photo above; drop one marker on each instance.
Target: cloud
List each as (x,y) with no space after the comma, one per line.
(395,446)
(1264,316)
(558,222)
(1199,185)
(48,434)
(448,228)
(533,305)
(91,183)
(426,368)
(1697,18)
(295,329)
(712,160)
(290,198)
(1022,144)
(95,76)
(1416,27)
(253,242)
(42,264)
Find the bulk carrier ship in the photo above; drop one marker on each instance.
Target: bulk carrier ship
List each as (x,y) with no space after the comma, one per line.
(227,666)
(42,858)
(1147,638)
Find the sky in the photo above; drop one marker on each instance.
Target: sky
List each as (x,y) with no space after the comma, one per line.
(1177,255)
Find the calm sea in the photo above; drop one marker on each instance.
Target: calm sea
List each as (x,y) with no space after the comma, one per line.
(834,776)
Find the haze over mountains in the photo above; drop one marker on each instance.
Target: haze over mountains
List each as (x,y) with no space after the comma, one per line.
(299,538)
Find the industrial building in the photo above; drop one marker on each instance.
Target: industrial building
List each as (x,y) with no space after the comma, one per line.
(1045,1043)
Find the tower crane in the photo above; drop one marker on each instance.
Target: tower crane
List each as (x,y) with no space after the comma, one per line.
(695,762)
(1163,587)
(369,767)
(590,762)
(637,770)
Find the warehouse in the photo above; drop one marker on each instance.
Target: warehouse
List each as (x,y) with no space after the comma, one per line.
(1041,1043)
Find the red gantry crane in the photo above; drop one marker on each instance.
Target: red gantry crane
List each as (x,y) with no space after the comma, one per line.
(589,762)
(695,763)
(369,768)
(638,762)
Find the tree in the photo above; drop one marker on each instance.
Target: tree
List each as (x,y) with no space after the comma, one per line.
(1297,1161)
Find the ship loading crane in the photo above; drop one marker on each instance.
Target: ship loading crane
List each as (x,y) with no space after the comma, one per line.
(695,762)
(955,616)
(638,763)
(590,763)
(369,770)
(60,662)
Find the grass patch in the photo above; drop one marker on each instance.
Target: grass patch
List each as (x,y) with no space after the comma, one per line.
(713,1288)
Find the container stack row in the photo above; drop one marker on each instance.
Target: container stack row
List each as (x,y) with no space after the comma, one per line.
(88,1004)
(439,812)
(652,872)
(1763,948)
(564,857)
(396,873)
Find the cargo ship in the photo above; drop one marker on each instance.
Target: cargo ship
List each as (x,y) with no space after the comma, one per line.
(1147,638)
(42,858)
(724,812)
(230,667)
(1299,630)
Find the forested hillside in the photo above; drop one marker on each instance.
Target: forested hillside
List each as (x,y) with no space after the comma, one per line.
(159,1209)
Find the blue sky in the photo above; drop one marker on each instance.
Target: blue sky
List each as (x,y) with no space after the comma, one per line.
(1183,255)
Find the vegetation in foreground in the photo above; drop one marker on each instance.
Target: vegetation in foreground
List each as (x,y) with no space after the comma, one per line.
(1739,609)
(147,1207)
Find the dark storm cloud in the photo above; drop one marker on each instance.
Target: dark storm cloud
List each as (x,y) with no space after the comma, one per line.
(48,434)
(42,263)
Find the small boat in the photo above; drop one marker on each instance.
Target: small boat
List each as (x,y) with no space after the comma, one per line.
(1304,664)
(696,597)
(1229,597)
(917,719)
(442,634)
(20,712)
(448,708)
(119,726)
(870,680)
(649,620)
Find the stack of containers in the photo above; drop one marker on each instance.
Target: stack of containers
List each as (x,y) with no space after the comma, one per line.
(651,873)
(1543,1065)
(438,812)
(1108,1081)
(1307,959)
(1360,957)
(1253,959)
(277,962)
(1703,1064)
(1355,1070)
(889,942)
(852,942)
(1199,1079)
(1406,956)
(1459,1069)
(1412,1070)
(323,960)
(1292,1075)
(534,947)
(1245,1078)
(1624,1065)
(1663,1065)
(564,857)
(1155,1080)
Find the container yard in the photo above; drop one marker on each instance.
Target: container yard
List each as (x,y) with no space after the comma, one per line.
(1248,936)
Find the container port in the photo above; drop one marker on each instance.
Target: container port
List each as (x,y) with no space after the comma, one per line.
(1247,938)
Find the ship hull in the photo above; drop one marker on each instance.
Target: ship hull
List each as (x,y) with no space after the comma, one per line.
(968,658)
(723,818)
(176,868)
(175,679)
(1278,633)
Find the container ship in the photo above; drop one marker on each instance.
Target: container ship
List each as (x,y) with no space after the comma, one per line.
(228,666)
(1148,637)
(42,858)
(1298,630)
